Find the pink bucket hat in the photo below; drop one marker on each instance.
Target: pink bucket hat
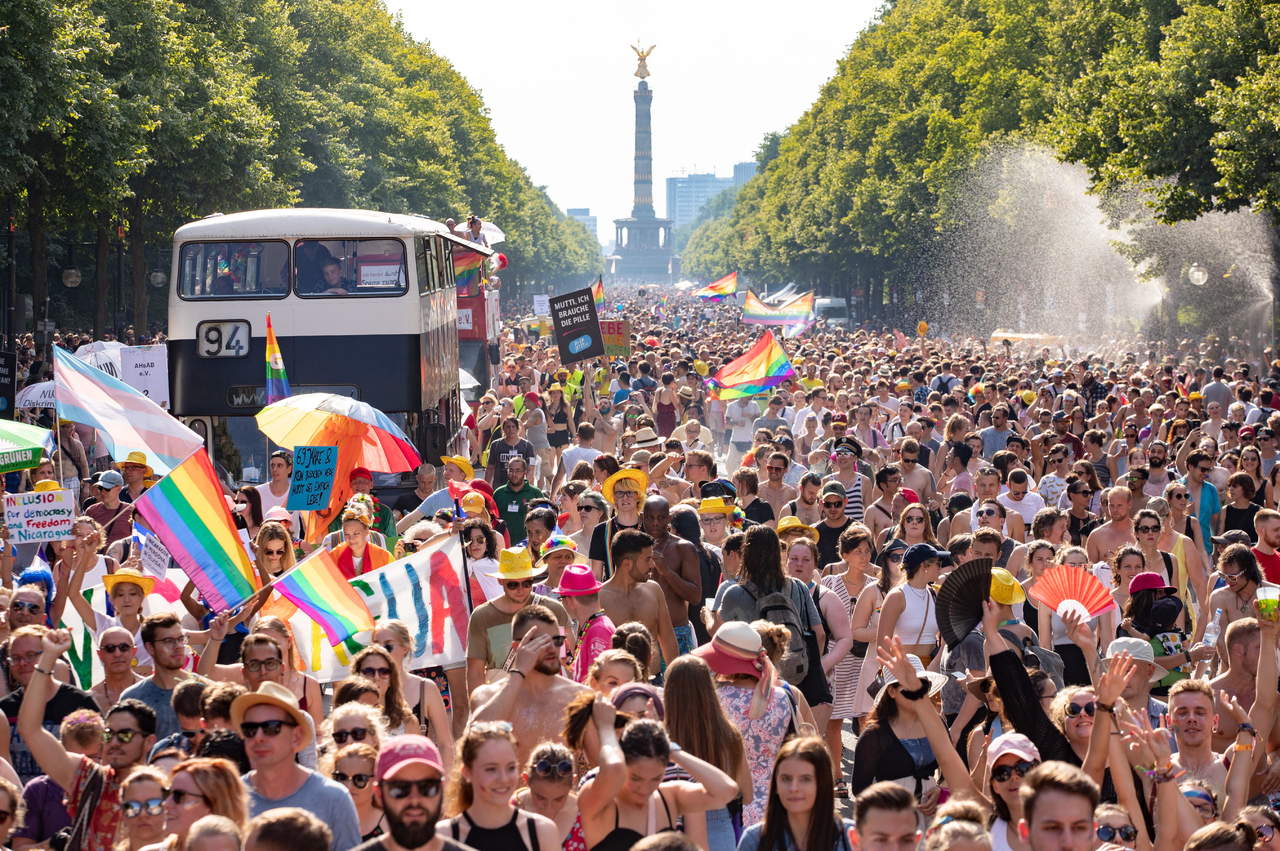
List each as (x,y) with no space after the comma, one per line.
(577,580)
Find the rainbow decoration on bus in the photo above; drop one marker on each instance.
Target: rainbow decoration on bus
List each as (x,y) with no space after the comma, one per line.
(468,269)
(187,511)
(277,378)
(718,290)
(318,588)
(797,311)
(761,368)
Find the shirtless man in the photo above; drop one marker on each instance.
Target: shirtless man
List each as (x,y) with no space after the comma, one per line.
(1192,716)
(534,694)
(676,569)
(116,650)
(805,505)
(630,595)
(883,513)
(1251,658)
(1239,570)
(1117,531)
(772,489)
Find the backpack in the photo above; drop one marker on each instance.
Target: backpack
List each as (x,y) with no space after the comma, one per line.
(780,609)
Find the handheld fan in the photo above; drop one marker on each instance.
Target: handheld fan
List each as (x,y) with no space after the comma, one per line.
(960,600)
(1065,589)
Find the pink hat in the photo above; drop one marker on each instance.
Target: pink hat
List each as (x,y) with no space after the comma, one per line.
(1012,743)
(578,581)
(402,751)
(279,514)
(735,649)
(1149,582)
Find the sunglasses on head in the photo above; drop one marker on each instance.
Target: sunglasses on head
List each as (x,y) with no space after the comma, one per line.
(1075,709)
(547,768)
(357,780)
(355,734)
(398,790)
(249,729)
(1127,833)
(151,807)
(1002,773)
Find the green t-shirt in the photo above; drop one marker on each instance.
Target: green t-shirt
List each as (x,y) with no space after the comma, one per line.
(489,630)
(512,506)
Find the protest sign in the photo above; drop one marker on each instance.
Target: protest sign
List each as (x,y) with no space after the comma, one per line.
(312,481)
(146,369)
(617,337)
(39,516)
(577,326)
(542,305)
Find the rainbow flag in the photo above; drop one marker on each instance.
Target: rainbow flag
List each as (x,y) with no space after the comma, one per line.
(795,312)
(318,588)
(717,290)
(597,292)
(187,511)
(764,366)
(277,378)
(468,268)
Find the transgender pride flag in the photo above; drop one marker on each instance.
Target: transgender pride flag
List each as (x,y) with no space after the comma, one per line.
(125,419)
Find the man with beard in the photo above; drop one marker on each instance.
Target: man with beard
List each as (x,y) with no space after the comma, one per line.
(676,569)
(833,523)
(165,640)
(408,787)
(129,735)
(629,595)
(1267,524)
(805,505)
(534,695)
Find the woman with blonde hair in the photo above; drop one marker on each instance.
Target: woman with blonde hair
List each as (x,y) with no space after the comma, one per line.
(357,554)
(200,787)
(353,767)
(353,723)
(480,813)
(273,548)
(422,694)
(376,664)
(142,808)
(613,668)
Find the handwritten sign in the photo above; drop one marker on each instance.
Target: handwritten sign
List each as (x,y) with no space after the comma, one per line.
(617,337)
(541,304)
(146,369)
(154,557)
(312,480)
(379,275)
(37,517)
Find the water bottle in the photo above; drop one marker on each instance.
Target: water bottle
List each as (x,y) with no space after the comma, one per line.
(1214,629)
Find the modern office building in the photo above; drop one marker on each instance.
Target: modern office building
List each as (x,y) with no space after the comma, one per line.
(687,195)
(583,214)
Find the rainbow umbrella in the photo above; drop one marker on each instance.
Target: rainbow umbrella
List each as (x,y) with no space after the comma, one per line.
(365,437)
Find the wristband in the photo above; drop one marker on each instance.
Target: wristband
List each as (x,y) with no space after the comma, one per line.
(916,693)
(1246,727)
(1108,708)
(674,748)
(1239,747)
(40,670)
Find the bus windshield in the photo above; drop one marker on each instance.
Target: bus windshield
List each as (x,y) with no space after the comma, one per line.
(349,267)
(211,270)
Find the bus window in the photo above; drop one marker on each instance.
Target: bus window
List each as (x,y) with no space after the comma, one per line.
(234,270)
(428,274)
(349,267)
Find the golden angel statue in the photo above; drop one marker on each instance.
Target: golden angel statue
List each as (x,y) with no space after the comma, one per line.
(642,70)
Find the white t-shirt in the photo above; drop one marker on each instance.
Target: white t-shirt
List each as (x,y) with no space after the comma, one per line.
(1030,503)
(746,410)
(270,500)
(574,454)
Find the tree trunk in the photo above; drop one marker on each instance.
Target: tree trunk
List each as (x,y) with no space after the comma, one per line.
(101,276)
(138,256)
(36,229)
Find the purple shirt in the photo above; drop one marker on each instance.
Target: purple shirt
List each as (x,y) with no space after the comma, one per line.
(46,809)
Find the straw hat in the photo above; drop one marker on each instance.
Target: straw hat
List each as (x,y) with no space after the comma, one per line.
(271,694)
(516,563)
(640,478)
(795,525)
(129,575)
(46,486)
(934,680)
(715,505)
(647,438)
(463,465)
(136,457)
(1005,589)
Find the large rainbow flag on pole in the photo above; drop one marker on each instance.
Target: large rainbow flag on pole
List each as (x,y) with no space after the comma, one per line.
(125,419)
(187,511)
(717,290)
(277,378)
(597,292)
(797,311)
(468,268)
(761,368)
(318,588)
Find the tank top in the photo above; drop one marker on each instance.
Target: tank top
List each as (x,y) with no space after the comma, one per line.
(622,838)
(853,507)
(504,838)
(918,623)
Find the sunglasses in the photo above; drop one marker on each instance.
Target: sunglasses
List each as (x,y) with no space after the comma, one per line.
(124,737)
(122,647)
(372,672)
(985,512)
(833,503)
(151,807)
(33,608)
(256,665)
(1180,495)
(1127,833)
(547,768)
(513,584)
(583,509)
(398,790)
(1075,709)
(357,780)
(179,796)
(1147,529)
(915,518)
(1002,773)
(249,729)
(355,734)
(276,553)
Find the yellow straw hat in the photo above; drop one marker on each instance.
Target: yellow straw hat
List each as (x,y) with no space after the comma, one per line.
(638,476)
(468,471)
(130,575)
(516,563)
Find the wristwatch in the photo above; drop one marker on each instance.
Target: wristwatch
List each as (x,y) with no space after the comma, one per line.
(674,748)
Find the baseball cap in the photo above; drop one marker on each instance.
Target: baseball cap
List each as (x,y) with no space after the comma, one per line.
(110,479)
(402,751)
(917,554)
(1012,743)
(1140,651)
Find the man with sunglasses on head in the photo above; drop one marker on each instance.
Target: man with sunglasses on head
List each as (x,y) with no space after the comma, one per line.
(116,652)
(129,735)
(57,701)
(534,695)
(409,788)
(275,731)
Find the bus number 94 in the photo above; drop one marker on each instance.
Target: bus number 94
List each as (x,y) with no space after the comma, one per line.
(222,339)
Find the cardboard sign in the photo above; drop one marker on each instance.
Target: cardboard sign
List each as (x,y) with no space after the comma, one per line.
(617,337)
(577,327)
(146,369)
(37,517)
(465,322)
(312,481)
(154,556)
(542,305)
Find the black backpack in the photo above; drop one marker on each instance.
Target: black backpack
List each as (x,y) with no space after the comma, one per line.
(779,608)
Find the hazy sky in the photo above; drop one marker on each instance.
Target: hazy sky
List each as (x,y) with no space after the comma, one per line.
(557,79)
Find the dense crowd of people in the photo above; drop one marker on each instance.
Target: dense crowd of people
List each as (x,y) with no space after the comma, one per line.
(713,623)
